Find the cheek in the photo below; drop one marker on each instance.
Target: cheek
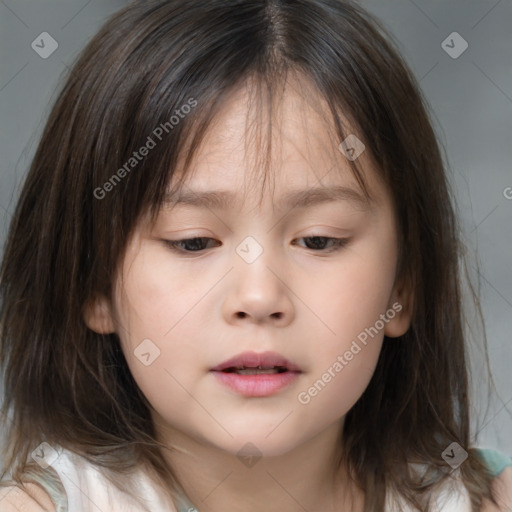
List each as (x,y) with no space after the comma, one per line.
(352,299)
(155,295)
(334,392)
(350,303)
(158,309)
(341,374)
(353,366)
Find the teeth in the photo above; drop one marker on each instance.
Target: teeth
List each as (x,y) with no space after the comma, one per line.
(256,371)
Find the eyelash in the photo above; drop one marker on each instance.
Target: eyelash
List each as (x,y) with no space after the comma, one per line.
(339,243)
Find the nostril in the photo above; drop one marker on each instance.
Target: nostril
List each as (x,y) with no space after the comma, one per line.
(241,314)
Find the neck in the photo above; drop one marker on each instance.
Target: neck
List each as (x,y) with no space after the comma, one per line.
(305,478)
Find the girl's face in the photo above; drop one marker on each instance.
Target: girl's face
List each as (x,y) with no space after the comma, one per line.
(259,282)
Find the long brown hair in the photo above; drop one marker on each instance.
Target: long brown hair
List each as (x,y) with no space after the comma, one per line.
(70,386)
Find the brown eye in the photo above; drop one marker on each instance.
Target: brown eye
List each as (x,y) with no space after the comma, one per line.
(188,244)
(318,243)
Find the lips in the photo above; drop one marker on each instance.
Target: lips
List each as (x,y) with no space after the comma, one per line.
(253,362)
(254,375)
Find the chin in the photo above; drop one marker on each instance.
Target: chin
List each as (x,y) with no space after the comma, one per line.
(254,443)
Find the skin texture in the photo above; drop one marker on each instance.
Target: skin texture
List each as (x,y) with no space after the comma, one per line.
(14,499)
(502,489)
(201,308)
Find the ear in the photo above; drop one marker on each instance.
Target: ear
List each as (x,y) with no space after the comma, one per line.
(402,304)
(98,315)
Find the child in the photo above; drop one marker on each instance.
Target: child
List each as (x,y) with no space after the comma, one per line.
(311,355)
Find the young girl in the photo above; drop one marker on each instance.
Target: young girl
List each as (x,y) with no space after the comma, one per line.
(176,337)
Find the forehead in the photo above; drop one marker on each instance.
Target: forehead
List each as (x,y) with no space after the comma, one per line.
(287,144)
(297,198)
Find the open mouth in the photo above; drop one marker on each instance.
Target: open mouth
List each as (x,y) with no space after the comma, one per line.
(253,363)
(253,374)
(256,381)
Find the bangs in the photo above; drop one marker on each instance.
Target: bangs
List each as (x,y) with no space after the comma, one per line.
(263,94)
(187,79)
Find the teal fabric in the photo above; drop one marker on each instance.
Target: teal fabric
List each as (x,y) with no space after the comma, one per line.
(495,461)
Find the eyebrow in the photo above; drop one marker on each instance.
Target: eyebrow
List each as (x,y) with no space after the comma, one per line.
(223,199)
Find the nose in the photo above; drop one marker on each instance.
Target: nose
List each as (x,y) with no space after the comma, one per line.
(259,292)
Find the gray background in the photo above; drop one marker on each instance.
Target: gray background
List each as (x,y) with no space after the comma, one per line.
(471,97)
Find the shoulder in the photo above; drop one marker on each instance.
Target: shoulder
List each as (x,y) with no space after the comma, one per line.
(500,466)
(502,491)
(31,498)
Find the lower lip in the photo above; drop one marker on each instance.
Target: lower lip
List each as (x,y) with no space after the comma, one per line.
(257,385)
